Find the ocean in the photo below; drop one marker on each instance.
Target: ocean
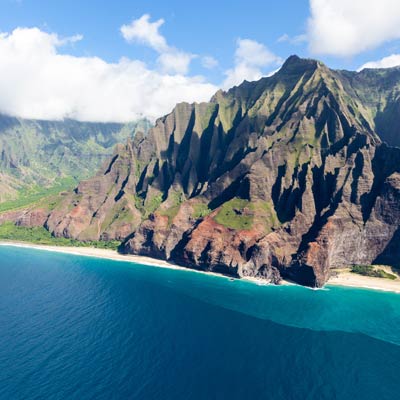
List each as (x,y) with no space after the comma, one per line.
(74,327)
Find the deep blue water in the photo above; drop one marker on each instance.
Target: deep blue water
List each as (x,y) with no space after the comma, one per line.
(81,328)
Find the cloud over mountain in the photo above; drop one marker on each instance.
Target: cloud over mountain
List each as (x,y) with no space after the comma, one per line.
(346,28)
(250,59)
(38,81)
(386,62)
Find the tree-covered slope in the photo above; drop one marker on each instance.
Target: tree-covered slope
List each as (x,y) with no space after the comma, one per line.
(37,155)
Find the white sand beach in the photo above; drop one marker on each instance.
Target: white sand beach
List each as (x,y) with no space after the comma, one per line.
(346,278)
(342,278)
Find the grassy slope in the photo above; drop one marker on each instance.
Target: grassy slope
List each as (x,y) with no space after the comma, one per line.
(370,270)
(35,195)
(39,235)
(236,214)
(42,154)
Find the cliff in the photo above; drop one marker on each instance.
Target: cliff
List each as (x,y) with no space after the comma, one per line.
(288,176)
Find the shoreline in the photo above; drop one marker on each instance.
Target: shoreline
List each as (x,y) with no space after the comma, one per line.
(348,279)
(344,279)
(113,255)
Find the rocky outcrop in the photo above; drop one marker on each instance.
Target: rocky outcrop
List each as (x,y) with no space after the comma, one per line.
(26,218)
(289,176)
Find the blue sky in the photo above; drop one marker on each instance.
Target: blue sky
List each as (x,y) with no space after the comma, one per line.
(206,27)
(194,47)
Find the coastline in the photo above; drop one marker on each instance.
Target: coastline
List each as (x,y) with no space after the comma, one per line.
(343,278)
(348,279)
(130,258)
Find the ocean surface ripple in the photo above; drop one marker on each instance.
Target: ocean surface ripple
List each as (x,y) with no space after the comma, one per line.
(74,327)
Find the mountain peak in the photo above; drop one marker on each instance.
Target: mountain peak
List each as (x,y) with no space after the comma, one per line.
(297,64)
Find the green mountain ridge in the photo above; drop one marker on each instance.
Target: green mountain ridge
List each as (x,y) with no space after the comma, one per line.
(289,176)
(39,155)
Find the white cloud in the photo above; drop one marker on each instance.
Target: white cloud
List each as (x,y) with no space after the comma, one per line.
(253,53)
(386,62)
(39,81)
(209,62)
(298,39)
(175,61)
(250,58)
(346,28)
(284,38)
(36,81)
(70,40)
(143,31)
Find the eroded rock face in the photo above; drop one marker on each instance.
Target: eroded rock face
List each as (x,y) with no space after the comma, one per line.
(284,177)
(27,218)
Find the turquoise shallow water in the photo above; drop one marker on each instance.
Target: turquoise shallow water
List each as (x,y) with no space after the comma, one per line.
(74,327)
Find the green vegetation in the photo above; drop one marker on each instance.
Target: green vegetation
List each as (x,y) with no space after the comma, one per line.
(148,205)
(120,213)
(204,113)
(236,214)
(201,210)
(369,270)
(170,213)
(35,154)
(152,203)
(39,235)
(268,214)
(172,205)
(36,194)
(139,166)
(228,109)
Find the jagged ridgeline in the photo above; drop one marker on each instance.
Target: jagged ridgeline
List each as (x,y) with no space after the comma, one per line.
(38,155)
(289,176)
